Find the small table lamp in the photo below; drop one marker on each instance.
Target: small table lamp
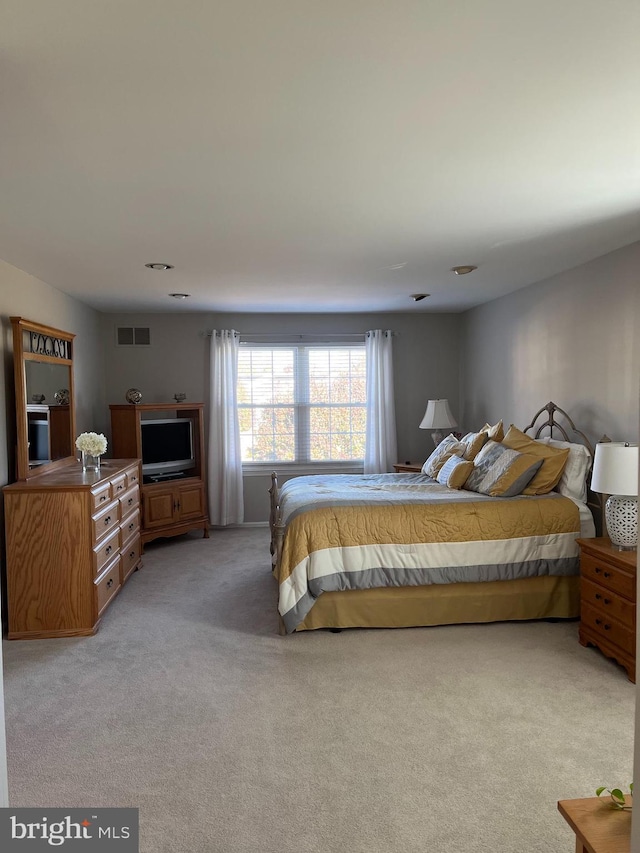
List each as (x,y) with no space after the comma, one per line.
(437,417)
(615,473)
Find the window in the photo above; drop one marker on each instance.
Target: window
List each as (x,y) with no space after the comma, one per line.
(302,403)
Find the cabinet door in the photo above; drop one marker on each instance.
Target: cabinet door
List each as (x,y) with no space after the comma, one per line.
(158,508)
(190,500)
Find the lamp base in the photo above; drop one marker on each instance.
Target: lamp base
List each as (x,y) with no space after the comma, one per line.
(621,514)
(437,437)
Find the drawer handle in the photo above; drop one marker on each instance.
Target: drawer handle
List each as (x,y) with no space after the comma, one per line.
(108,550)
(130,501)
(132,554)
(109,583)
(103,498)
(598,596)
(606,627)
(132,525)
(107,520)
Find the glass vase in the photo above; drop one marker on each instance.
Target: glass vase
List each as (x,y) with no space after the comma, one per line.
(90,463)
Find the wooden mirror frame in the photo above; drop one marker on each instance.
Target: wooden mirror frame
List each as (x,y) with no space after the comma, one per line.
(35,342)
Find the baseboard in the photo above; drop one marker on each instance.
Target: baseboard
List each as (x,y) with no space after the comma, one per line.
(244,524)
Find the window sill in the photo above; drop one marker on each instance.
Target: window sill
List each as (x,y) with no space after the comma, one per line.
(295,469)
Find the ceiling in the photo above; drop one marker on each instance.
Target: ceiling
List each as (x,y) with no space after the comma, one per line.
(291,155)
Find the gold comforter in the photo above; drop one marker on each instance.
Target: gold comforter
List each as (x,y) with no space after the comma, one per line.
(362,532)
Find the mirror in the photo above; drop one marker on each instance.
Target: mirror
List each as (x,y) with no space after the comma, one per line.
(45,416)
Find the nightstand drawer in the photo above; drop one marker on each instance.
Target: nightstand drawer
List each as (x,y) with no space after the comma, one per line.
(608,628)
(608,603)
(608,576)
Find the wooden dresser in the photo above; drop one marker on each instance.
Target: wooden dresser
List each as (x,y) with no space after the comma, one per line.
(608,601)
(73,539)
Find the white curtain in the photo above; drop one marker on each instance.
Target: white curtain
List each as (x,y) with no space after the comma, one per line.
(226,499)
(381,448)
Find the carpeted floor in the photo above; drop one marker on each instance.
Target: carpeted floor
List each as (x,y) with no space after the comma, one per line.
(230,738)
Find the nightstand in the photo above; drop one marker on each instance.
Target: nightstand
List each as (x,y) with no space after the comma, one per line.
(413,467)
(608,601)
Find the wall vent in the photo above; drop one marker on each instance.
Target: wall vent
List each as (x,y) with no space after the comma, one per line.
(133,336)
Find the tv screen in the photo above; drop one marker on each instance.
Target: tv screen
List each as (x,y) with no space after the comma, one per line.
(38,441)
(167,446)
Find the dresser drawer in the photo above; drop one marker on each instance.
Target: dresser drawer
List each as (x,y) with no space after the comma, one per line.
(101,496)
(130,526)
(118,485)
(129,501)
(608,576)
(608,628)
(105,521)
(106,550)
(133,476)
(108,584)
(130,556)
(608,602)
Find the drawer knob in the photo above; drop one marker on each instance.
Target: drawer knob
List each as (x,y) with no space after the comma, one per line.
(131,526)
(598,596)
(130,501)
(103,498)
(107,520)
(607,574)
(109,549)
(132,555)
(109,583)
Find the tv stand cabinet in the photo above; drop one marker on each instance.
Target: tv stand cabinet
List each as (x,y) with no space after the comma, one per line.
(172,506)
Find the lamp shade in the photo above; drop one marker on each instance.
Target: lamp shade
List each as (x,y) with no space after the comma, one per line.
(438,416)
(615,468)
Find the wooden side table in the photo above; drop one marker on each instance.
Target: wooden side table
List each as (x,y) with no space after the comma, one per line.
(599,827)
(608,601)
(408,467)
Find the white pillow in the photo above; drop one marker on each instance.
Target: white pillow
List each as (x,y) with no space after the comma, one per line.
(573,482)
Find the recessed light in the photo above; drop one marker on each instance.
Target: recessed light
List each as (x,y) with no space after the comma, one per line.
(418,297)
(159,266)
(463,270)
(180,295)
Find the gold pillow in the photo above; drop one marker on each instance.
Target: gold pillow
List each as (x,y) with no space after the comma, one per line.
(454,472)
(553,460)
(473,444)
(495,432)
(449,446)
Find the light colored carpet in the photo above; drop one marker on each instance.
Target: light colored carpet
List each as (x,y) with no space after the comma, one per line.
(230,738)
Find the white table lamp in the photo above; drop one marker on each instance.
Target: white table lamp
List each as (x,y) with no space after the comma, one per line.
(615,473)
(437,417)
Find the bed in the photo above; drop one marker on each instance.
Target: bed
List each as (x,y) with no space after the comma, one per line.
(403,550)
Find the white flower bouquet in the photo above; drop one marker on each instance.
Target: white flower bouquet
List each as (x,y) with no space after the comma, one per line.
(93,443)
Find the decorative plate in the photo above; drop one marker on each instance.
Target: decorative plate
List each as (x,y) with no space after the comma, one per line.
(133,396)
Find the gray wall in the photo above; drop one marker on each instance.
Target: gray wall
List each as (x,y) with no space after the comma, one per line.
(573,339)
(22,295)
(426,365)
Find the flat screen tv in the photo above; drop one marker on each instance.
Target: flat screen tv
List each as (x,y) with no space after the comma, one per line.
(167,447)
